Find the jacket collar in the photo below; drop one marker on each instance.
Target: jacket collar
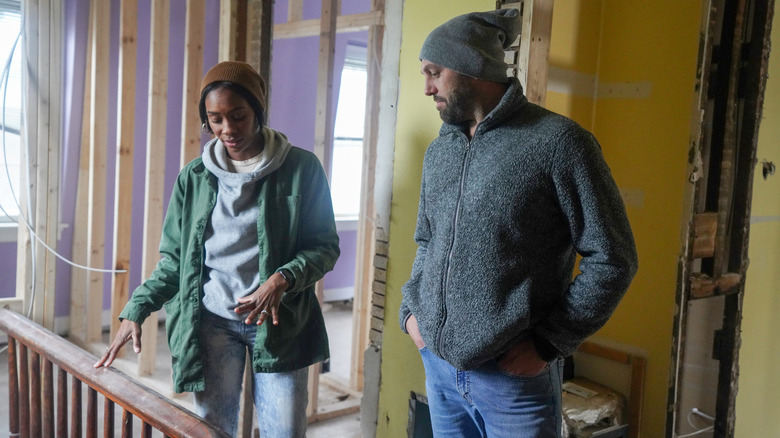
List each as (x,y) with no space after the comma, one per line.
(512,102)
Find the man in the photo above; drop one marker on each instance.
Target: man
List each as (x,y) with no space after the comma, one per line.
(510,194)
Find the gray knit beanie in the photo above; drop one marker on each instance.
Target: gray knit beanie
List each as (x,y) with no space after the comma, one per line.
(473,44)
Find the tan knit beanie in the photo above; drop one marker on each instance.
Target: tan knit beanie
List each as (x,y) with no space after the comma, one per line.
(239,73)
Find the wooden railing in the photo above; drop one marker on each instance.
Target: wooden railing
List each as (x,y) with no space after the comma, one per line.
(32,353)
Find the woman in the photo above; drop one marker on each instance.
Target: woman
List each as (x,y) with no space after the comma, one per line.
(248,232)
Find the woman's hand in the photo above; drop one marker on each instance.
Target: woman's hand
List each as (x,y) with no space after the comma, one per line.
(127,330)
(264,301)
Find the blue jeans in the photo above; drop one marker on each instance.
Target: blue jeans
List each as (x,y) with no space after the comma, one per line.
(488,402)
(280,398)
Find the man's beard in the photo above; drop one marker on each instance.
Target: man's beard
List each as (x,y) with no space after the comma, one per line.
(460,105)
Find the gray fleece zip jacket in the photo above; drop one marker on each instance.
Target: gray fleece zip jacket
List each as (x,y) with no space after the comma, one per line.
(500,221)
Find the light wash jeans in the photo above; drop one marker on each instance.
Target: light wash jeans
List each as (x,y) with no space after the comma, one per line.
(488,402)
(280,398)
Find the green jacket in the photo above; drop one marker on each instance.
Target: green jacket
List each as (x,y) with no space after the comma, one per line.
(296,232)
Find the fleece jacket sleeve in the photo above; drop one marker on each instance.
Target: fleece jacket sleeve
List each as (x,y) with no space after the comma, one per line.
(601,235)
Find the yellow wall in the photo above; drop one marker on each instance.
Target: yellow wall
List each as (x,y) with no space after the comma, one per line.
(758,398)
(418,123)
(645,141)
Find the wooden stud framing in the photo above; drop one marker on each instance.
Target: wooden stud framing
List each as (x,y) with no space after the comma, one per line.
(728,163)
(193,73)
(726,119)
(27,277)
(123,193)
(530,63)
(228,28)
(98,139)
(366,249)
(42,60)
(754,71)
(155,168)
(48,164)
(323,137)
(344,23)
(323,133)
(294,10)
(78,280)
(35,281)
(705,225)
(24,248)
(259,40)
(535,48)
(27,280)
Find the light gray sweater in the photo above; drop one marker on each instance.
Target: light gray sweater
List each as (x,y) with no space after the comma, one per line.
(232,253)
(500,221)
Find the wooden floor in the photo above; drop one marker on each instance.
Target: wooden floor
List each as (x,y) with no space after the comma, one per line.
(338,317)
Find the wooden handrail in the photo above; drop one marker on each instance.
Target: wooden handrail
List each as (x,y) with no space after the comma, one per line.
(152,408)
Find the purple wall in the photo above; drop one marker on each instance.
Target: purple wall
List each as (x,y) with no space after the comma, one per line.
(293,100)
(292,111)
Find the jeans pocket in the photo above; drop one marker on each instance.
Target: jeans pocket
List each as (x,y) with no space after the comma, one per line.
(544,371)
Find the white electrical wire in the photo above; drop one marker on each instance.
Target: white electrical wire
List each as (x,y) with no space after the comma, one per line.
(698,430)
(5,77)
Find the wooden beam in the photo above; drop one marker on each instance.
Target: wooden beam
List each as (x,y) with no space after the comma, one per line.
(705,227)
(12,304)
(155,168)
(46,201)
(54,148)
(323,123)
(98,139)
(636,396)
(193,74)
(323,139)
(259,40)
(346,407)
(605,352)
(125,140)
(228,28)
(535,48)
(78,277)
(246,404)
(366,248)
(704,286)
(344,23)
(729,163)
(295,10)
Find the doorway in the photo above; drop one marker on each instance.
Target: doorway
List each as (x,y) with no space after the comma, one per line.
(711,275)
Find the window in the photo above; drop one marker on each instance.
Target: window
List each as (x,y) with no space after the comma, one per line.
(10,108)
(348,135)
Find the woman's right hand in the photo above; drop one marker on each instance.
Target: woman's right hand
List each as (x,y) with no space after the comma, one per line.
(127,330)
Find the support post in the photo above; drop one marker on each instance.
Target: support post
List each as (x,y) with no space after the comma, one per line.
(364,274)
(78,278)
(155,169)
(193,68)
(323,141)
(123,192)
(98,140)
